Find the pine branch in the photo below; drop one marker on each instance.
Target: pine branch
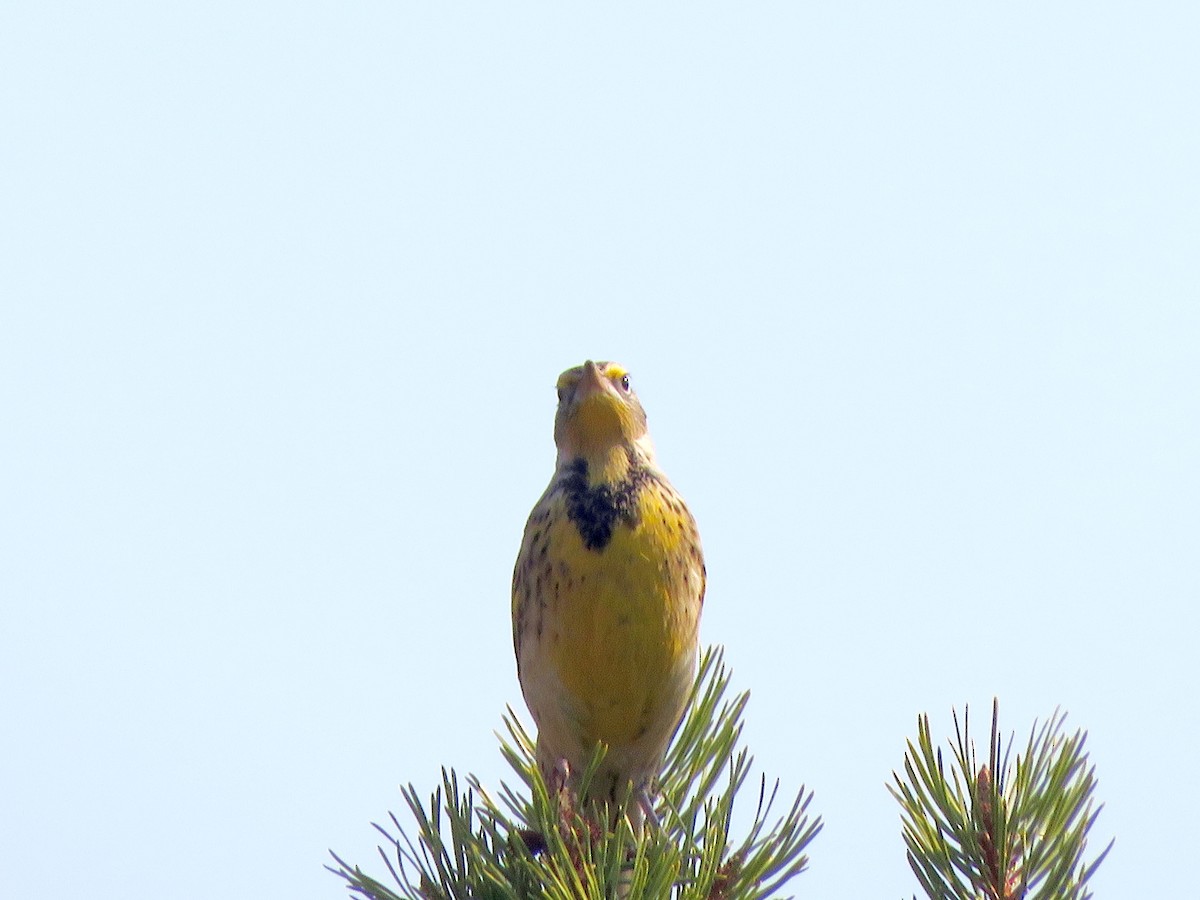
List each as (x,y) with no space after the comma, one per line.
(532,841)
(995,831)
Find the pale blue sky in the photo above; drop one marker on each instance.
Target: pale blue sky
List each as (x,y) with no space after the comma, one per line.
(911,293)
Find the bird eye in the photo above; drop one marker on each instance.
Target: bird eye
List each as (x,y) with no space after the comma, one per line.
(624,382)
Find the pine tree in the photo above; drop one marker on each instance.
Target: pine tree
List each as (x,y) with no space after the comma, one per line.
(998,831)
(979,836)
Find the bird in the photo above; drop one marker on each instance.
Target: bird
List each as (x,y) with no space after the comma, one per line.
(607,593)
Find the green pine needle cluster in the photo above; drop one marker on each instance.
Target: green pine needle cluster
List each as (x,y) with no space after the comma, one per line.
(533,842)
(1000,832)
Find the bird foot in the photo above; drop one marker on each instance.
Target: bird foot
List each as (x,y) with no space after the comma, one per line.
(646,804)
(560,775)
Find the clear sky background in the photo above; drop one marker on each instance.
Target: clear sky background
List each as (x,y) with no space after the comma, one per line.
(911,293)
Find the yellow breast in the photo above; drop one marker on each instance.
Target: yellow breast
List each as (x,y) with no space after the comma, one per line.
(606,603)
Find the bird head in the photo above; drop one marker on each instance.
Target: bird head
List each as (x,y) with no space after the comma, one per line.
(597,411)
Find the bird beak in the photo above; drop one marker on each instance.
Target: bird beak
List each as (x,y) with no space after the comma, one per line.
(591,383)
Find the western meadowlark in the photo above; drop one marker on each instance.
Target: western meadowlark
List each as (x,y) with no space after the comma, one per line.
(607,592)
